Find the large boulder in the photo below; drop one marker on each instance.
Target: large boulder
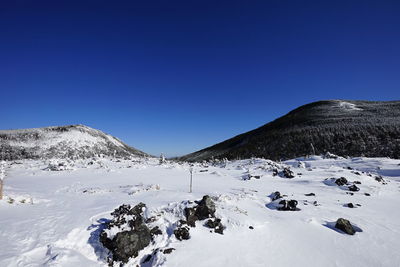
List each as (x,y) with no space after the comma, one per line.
(132,233)
(127,244)
(341,181)
(191,217)
(205,208)
(345,226)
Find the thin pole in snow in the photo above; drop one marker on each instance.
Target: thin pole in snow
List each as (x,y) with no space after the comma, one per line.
(191,179)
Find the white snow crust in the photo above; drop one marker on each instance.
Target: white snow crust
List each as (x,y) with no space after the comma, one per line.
(53,218)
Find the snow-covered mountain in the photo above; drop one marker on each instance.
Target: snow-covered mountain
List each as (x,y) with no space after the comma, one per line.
(343,127)
(72,141)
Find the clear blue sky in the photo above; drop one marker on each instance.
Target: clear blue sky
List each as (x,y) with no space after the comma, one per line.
(177,76)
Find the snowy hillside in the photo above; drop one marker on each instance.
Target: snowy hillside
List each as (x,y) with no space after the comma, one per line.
(271,214)
(343,127)
(73,141)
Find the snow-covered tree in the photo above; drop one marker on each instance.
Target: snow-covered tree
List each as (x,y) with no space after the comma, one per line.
(162,158)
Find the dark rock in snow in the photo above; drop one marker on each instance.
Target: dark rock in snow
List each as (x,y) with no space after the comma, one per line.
(182,233)
(310,195)
(127,244)
(216,224)
(380,179)
(275,196)
(251,227)
(288,173)
(341,181)
(367,194)
(219,229)
(205,208)
(350,205)
(147,259)
(288,205)
(168,250)
(356,182)
(182,222)
(354,188)
(151,219)
(155,231)
(345,226)
(191,217)
(121,210)
(274,172)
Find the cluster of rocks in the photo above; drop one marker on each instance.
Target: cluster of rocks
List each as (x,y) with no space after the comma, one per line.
(306,202)
(205,209)
(128,232)
(380,179)
(283,204)
(288,205)
(59,166)
(329,155)
(351,187)
(352,206)
(132,233)
(285,173)
(249,176)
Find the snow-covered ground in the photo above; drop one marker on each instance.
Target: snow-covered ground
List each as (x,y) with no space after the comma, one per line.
(53,218)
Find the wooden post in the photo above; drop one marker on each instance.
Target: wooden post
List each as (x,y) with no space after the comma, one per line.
(191,179)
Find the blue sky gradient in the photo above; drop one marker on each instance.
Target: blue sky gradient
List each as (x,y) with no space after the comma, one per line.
(177,76)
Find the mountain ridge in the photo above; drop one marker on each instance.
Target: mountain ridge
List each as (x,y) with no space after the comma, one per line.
(344,127)
(69,141)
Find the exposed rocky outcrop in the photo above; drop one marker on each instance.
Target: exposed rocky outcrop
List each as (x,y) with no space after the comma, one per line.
(132,234)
